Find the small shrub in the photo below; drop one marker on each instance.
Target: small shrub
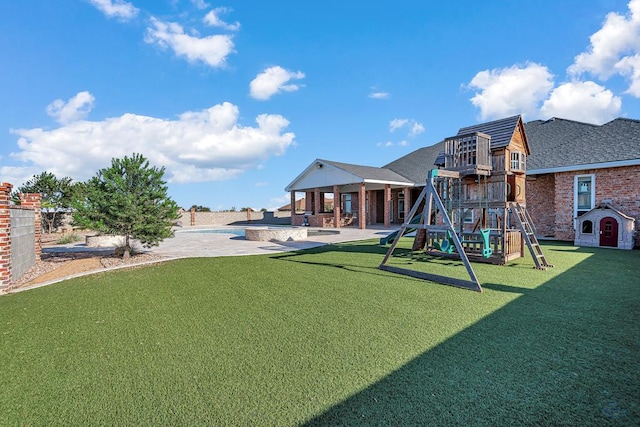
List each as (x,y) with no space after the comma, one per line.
(69,238)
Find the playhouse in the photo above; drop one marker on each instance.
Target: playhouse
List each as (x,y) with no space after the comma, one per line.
(605,226)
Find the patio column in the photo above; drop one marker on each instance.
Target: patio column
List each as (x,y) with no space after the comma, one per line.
(407,202)
(387,205)
(337,208)
(293,206)
(362,207)
(316,201)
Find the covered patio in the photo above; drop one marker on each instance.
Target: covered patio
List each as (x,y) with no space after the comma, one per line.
(362,195)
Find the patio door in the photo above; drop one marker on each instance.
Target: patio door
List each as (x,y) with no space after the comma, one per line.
(609,232)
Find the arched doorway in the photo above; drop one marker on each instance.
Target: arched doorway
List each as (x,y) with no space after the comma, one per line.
(609,232)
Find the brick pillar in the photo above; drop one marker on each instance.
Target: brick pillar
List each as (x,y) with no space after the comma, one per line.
(387,205)
(316,201)
(32,201)
(336,206)
(5,235)
(293,207)
(407,202)
(362,207)
(193,216)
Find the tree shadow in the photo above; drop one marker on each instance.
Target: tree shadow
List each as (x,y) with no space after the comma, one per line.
(564,353)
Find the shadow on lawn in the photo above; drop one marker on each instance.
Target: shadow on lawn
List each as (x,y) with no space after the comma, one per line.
(564,353)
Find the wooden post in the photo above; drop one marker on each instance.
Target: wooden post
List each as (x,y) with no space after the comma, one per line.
(337,207)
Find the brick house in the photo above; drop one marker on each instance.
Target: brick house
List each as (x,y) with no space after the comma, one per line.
(575,167)
(571,168)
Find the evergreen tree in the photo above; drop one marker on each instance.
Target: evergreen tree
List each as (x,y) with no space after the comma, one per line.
(129,199)
(57,195)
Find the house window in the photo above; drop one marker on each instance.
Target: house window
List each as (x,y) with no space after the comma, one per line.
(401,205)
(346,204)
(468,217)
(587,227)
(584,189)
(518,161)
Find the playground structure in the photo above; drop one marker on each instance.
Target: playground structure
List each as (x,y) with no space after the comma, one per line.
(474,208)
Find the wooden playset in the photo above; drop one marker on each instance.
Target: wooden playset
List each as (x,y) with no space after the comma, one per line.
(474,207)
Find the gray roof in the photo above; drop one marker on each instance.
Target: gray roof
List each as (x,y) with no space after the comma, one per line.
(559,143)
(369,172)
(501,130)
(415,165)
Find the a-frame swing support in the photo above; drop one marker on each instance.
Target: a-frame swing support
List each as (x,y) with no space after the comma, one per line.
(430,195)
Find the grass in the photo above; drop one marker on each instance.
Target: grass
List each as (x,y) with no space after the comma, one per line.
(323,337)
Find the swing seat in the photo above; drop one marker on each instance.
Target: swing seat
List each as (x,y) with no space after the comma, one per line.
(486,248)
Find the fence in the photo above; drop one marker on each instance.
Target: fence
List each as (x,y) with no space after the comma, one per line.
(20,228)
(193,218)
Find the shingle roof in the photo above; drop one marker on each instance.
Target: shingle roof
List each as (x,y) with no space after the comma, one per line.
(369,172)
(558,143)
(415,165)
(501,130)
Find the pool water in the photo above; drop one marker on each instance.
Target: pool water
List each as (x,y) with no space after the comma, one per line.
(234,231)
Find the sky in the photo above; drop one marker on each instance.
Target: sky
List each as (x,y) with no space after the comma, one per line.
(235,99)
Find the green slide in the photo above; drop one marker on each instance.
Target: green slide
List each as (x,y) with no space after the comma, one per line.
(391,237)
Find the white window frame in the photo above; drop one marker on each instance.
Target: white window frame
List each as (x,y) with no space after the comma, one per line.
(576,179)
(518,159)
(401,205)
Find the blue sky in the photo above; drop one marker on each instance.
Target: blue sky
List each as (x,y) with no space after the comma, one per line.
(235,99)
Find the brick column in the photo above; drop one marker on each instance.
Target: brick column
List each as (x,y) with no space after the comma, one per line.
(387,207)
(193,216)
(362,207)
(407,202)
(293,207)
(32,201)
(316,201)
(5,235)
(336,206)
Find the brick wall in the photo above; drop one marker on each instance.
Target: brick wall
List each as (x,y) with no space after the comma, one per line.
(620,185)
(541,204)
(231,218)
(29,202)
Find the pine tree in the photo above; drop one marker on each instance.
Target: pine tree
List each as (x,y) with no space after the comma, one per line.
(129,199)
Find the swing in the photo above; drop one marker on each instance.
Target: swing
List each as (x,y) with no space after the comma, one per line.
(484,232)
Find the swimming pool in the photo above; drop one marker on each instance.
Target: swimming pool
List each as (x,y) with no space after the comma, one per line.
(234,231)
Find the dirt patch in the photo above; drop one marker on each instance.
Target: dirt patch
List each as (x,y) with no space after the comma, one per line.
(58,265)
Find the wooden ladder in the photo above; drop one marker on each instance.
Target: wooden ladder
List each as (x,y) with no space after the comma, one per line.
(525,223)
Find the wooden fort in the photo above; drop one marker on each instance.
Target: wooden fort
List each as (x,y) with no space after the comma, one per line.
(473,206)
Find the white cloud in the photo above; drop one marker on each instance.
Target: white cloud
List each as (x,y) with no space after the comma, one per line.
(213,19)
(207,145)
(116,8)
(582,101)
(512,90)
(387,144)
(614,49)
(211,50)
(274,80)
(618,36)
(396,124)
(415,128)
(379,95)
(200,4)
(75,108)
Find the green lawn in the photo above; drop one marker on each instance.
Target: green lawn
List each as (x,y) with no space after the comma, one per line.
(323,337)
